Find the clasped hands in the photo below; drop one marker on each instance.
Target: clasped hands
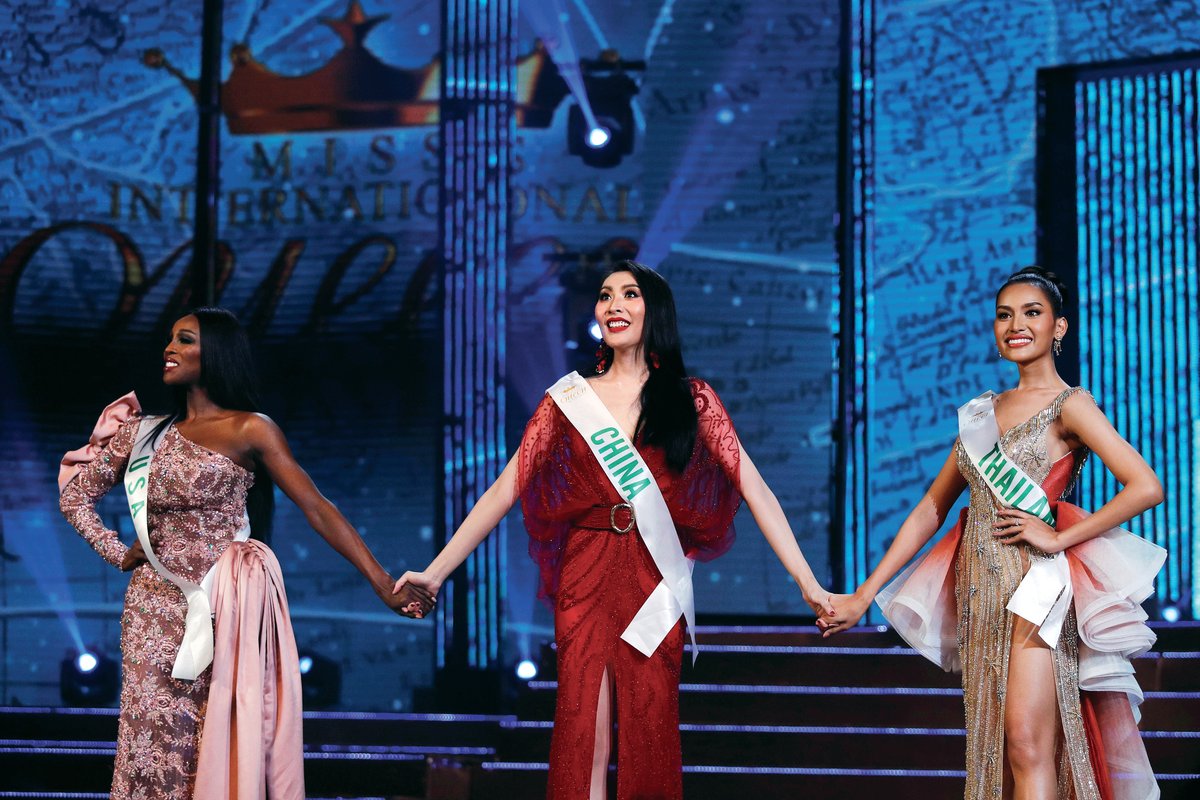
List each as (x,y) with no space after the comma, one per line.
(414,595)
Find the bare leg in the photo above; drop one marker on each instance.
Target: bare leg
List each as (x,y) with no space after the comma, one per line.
(1031,722)
(603,747)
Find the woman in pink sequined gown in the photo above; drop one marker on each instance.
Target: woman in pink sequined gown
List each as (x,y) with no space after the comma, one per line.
(595,567)
(216,458)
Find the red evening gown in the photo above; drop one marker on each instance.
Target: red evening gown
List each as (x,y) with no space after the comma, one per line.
(597,579)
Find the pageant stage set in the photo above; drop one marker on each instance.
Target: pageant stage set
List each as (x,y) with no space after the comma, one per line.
(410,204)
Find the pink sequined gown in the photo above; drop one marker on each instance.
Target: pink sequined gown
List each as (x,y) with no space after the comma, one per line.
(195,505)
(597,581)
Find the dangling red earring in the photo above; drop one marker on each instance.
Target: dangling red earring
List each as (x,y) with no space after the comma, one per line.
(601,359)
(654,362)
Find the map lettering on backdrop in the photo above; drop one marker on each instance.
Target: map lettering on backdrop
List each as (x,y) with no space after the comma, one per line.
(955,127)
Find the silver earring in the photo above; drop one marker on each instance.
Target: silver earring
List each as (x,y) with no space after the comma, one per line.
(998,353)
(1058,346)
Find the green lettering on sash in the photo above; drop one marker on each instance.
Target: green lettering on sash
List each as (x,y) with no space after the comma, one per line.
(598,436)
(1024,494)
(631,490)
(1042,509)
(138,463)
(995,451)
(1008,496)
(134,485)
(621,459)
(627,473)
(611,450)
(137,507)
(1006,481)
(993,470)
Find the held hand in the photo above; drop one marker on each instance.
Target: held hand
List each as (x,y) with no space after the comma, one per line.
(411,601)
(134,557)
(849,610)
(820,601)
(415,594)
(1014,526)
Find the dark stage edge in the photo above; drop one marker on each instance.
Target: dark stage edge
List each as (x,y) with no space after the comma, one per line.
(771,710)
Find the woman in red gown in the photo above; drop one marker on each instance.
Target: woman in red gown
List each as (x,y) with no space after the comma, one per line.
(595,568)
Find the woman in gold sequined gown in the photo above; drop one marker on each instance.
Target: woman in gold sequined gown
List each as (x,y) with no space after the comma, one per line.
(1028,733)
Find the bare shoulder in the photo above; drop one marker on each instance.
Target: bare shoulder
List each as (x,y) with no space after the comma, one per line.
(256,427)
(1082,420)
(1080,405)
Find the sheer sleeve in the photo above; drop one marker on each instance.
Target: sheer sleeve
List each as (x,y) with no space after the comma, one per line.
(705,498)
(94,479)
(545,490)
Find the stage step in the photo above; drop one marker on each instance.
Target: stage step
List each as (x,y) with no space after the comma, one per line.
(821,665)
(774,711)
(830,747)
(719,782)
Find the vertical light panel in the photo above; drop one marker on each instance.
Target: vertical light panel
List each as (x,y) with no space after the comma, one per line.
(855,317)
(476,149)
(1139,304)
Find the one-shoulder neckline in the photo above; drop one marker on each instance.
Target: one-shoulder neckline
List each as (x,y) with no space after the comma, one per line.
(209,450)
(1036,414)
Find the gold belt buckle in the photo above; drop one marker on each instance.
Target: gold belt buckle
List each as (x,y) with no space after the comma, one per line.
(612,518)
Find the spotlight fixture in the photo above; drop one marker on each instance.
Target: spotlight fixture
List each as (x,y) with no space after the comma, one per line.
(320,680)
(598,137)
(89,678)
(527,670)
(605,136)
(1170,613)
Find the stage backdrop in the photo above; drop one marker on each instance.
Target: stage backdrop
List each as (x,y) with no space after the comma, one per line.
(328,228)
(951,113)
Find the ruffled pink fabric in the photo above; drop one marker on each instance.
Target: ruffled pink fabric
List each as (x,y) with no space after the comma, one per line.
(919,602)
(252,745)
(114,414)
(1110,576)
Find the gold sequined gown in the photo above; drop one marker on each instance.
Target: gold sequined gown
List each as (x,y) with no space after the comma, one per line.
(195,505)
(987,573)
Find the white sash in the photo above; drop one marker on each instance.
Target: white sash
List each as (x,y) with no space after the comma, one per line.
(196,649)
(633,480)
(1044,594)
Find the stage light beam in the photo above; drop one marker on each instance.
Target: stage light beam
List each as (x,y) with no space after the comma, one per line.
(527,670)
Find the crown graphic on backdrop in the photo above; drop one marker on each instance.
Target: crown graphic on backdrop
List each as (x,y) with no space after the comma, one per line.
(355,90)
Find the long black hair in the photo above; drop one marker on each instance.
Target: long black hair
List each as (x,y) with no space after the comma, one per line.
(668,416)
(227,372)
(1051,285)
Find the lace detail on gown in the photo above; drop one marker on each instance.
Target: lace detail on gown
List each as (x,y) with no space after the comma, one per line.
(597,581)
(559,480)
(195,504)
(987,574)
